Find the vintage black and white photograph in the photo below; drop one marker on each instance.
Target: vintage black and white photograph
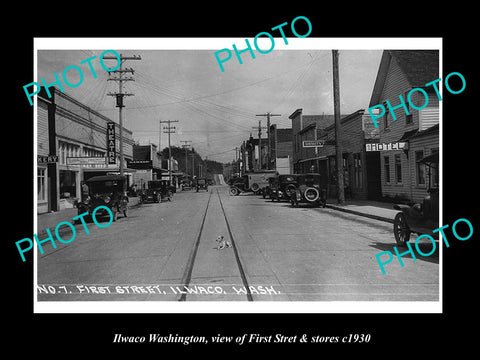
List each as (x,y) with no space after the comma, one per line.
(227,175)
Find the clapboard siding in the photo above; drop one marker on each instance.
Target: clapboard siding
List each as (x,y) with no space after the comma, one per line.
(42,128)
(397,84)
(429,116)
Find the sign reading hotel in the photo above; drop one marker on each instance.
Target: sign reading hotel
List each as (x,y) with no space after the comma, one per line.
(111,151)
(385,146)
(313,143)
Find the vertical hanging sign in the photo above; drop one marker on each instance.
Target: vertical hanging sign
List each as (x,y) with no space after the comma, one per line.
(111,152)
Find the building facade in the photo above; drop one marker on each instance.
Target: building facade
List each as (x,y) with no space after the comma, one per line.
(71,147)
(400,71)
(147,162)
(314,147)
(361,169)
(307,128)
(281,149)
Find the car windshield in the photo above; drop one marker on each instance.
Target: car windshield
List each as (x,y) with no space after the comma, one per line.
(154,184)
(104,186)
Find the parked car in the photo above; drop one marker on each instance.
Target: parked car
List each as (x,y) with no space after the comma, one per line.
(272,181)
(251,182)
(166,190)
(258,181)
(152,193)
(419,218)
(283,187)
(308,191)
(238,185)
(106,190)
(201,183)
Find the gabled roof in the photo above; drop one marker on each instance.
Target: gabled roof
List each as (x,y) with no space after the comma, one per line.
(419,66)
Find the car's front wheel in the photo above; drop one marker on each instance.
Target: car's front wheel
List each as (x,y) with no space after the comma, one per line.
(401,230)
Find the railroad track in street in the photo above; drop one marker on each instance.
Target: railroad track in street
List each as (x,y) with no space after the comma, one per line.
(192,261)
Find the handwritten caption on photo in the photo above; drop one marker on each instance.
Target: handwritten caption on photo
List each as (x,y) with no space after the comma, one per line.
(158,289)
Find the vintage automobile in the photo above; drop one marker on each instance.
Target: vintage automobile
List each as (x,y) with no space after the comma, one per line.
(283,187)
(166,190)
(255,182)
(308,191)
(106,190)
(419,218)
(272,181)
(238,185)
(258,181)
(152,193)
(201,183)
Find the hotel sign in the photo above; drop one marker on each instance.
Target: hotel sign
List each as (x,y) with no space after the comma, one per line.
(386,146)
(111,151)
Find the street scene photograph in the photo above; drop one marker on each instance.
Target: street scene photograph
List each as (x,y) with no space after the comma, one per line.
(213,175)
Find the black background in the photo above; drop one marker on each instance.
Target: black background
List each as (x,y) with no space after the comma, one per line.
(391,334)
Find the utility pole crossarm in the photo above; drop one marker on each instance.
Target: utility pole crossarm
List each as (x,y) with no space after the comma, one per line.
(169,130)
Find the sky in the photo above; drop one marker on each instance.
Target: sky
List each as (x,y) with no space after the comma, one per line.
(215,110)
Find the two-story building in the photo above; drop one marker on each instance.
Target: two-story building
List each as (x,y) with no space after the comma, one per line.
(281,149)
(71,147)
(405,141)
(307,128)
(147,162)
(361,169)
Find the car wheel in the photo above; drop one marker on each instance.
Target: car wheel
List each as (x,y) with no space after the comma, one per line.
(290,189)
(234,191)
(311,194)
(401,230)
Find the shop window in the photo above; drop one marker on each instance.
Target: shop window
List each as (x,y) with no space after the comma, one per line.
(419,168)
(41,185)
(332,170)
(386,168)
(398,169)
(357,170)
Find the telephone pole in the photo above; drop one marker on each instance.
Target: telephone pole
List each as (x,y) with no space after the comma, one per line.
(185,146)
(169,130)
(119,95)
(260,127)
(268,136)
(338,128)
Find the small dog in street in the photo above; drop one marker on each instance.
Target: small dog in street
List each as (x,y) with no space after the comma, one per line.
(222,243)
